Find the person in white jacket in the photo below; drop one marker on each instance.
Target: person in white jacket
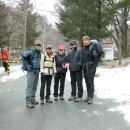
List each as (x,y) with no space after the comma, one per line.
(47,69)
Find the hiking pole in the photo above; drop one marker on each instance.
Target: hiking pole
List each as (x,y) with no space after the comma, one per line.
(8,68)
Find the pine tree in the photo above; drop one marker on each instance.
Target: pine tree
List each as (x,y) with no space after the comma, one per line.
(78,18)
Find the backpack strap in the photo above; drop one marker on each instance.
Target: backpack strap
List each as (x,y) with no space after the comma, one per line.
(48,60)
(32,55)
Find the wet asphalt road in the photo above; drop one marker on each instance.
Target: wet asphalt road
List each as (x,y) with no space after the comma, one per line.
(60,115)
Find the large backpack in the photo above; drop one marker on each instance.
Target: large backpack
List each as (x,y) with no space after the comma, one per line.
(27,61)
(98,47)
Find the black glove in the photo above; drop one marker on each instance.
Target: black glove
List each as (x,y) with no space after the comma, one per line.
(79,67)
(42,74)
(54,74)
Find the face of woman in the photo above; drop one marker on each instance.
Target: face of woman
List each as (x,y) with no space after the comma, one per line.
(61,51)
(49,51)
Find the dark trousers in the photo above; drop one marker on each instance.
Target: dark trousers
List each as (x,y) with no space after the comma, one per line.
(76,77)
(89,80)
(5,65)
(59,77)
(45,81)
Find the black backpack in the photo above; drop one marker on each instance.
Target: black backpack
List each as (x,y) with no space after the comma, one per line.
(98,47)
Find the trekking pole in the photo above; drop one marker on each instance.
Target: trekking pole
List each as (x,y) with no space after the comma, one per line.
(8,68)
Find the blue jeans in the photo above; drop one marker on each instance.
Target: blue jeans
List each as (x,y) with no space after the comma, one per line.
(32,82)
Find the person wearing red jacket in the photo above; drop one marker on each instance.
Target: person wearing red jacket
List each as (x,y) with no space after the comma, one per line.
(5,57)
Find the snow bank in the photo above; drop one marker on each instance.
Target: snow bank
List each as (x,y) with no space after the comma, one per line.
(15,73)
(114,84)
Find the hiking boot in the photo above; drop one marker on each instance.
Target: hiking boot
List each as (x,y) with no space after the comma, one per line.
(56,98)
(30,105)
(72,98)
(61,98)
(78,99)
(42,101)
(35,102)
(48,100)
(90,100)
(86,99)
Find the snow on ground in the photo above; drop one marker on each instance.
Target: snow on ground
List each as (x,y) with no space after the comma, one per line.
(15,73)
(112,84)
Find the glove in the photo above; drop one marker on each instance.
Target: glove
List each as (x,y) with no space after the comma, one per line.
(54,74)
(42,74)
(79,67)
(67,65)
(63,66)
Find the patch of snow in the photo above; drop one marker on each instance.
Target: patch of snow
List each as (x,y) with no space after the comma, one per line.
(15,73)
(114,84)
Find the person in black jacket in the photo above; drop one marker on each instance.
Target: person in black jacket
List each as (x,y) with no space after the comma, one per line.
(90,61)
(75,66)
(61,66)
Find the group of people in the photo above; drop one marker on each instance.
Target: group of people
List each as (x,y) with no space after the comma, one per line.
(80,62)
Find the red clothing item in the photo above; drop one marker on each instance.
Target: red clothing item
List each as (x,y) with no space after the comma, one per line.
(4,56)
(49,54)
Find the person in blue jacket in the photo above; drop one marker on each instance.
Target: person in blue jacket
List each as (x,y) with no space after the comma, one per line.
(32,60)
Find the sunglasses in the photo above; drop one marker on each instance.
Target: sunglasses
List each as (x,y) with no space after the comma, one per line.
(38,44)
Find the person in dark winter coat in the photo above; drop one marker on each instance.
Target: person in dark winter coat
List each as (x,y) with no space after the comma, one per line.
(61,66)
(90,61)
(32,60)
(75,66)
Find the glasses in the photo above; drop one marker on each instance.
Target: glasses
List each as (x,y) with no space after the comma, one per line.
(38,44)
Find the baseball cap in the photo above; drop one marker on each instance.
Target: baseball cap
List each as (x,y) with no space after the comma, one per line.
(37,43)
(49,47)
(73,42)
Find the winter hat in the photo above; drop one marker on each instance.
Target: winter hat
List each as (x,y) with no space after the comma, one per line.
(61,47)
(49,47)
(86,37)
(73,42)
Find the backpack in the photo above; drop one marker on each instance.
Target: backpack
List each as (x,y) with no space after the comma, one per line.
(98,47)
(27,61)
